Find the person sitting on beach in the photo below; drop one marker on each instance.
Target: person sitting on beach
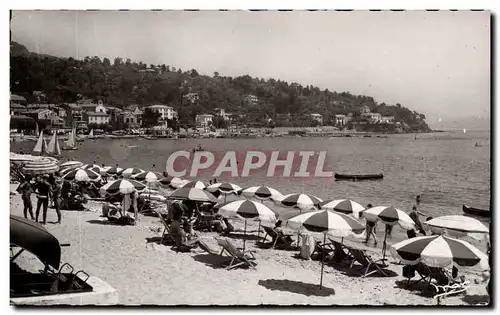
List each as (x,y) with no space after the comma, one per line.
(184,242)
(279,230)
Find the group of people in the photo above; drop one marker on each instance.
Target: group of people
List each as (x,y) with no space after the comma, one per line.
(414,215)
(47,188)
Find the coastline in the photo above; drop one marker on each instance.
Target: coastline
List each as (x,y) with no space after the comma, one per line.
(144,272)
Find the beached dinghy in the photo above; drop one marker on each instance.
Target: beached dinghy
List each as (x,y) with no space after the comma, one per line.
(475,211)
(358,177)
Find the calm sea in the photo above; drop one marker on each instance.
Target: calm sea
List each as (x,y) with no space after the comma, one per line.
(446,169)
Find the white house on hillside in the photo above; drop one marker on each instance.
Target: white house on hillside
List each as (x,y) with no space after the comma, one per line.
(166,112)
(203,120)
(317,117)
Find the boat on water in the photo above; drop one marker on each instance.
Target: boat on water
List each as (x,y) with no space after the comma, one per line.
(53,147)
(358,177)
(41,145)
(91,135)
(475,211)
(150,137)
(71,142)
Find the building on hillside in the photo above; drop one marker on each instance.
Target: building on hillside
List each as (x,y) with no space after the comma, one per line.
(317,117)
(191,97)
(100,108)
(372,117)
(17,99)
(166,112)
(340,120)
(204,120)
(251,99)
(16,109)
(387,119)
(88,107)
(222,113)
(133,119)
(98,118)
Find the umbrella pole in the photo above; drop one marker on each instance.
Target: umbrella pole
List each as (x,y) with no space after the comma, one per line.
(384,246)
(322,263)
(258,233)
(244,240)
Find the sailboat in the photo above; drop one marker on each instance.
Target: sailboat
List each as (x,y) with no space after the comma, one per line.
(415,137)
(71,142)
(465,130)
(41,145)
(53,147)
(91,134)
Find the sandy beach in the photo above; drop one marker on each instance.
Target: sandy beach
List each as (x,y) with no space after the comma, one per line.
(143,272)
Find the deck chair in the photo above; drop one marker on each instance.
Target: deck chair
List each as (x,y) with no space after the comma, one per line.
(339,251)
(204,222)
(366,261)
(277,240)
(166,229)
(238,258)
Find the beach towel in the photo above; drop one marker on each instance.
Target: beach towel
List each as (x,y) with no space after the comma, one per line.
(307,247)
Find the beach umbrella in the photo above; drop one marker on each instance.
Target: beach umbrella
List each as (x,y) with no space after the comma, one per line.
(41,166)
(148,176)
(93,167)
(326,222)
(71,164)
(81,175)
(458,226)
(440,251)
(172,182)
(301,201)
(389,216)
(224,188)
(261,192)
(193,184)
(247,209)
(21,158)
(113,170)
(122,186)
(193,194)
(128,172)
(345,206)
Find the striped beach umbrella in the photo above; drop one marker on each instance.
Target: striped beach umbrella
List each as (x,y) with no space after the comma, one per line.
(93,167)
(224,188)
(193,194)
(261,192)
(41,166)
(458,226)
(71,164)
(389,216)
(148,177)
(440,251)
(247,209)
(113,170)
(345,206)
(81,175)
(122,186)
(326,222)
(131,171)
(65,170)
(172,182)
(301,201)
(193,184)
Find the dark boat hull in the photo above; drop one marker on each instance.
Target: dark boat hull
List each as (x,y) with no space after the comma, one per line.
(476,212)
(359,177)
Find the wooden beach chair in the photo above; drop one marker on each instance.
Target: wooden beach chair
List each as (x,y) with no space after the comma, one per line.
(277,240)
(166,229)
(238,258)
(366,261)
(204,222)
(340,252)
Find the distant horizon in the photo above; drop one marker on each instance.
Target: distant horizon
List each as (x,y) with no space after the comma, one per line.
(415,58)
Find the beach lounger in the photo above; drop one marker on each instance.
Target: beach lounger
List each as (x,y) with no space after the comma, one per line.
(166,229)
(238,258)
(366,261)
(340,252)
(277,240)
(323,250)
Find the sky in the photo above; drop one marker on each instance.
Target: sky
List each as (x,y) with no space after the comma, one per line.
(437,63)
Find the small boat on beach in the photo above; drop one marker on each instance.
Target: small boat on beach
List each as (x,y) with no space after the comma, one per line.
(475,211)
(71,142)
(41,145)
(358,177)
(53,147)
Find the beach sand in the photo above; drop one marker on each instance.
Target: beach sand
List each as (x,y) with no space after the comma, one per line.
(145,273)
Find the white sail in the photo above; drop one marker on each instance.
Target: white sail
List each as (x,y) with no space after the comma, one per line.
(53,147)
(39,148)
(465,130)
(71,142)
(36,130)
(91,134)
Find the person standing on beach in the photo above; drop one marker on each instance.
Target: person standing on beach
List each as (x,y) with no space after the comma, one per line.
(43,191)
(25,189)
(414,215)
(56,196)
(370,226)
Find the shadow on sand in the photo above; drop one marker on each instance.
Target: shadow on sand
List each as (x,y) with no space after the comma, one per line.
(241,236)
(422,287)
(477,300)
(358,270)
(308,289)
(213,261)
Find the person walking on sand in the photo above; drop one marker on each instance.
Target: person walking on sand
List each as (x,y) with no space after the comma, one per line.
(43,191)
(56,196)
(25,189)
(370,227)
(414,215)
